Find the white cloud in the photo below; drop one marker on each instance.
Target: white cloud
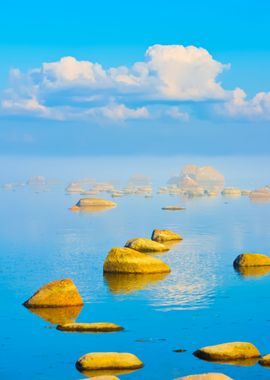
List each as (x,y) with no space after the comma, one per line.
(160,86)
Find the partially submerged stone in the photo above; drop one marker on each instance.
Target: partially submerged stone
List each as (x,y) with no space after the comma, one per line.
(145,245)
(126,260)
(108,361)
(165,235)
(232,192)
(265,361)
(228,352)
(95,202)
(105,377)
(260,194)
(90,327)
(173,208)
(206,376)
(57,293)
(251,260)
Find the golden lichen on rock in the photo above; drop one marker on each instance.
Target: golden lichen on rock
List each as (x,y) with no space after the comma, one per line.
(251,260)
(145,245)
(228,352)
(126,260)
(108,361)
(165,235)
(57,293)
(90,327)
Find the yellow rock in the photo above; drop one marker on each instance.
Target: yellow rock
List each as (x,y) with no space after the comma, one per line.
(105,377)
(251,260)
(57,315)
(206,376)
(94,202)
(90,327)
(265,361)
(165,235)
(231,192)
(145,245)
(108,361)
(57,293)
(126,260)
(228,352)
(126,283)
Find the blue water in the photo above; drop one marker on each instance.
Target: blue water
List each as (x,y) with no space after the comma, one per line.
(202,302)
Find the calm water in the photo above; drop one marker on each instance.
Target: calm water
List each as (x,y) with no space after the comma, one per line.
(202,302)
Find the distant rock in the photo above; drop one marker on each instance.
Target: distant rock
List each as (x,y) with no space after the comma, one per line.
(232,192)
(165,235)
(74,188)
(251,260)
(232,351)
(57,293)
(206,376)
(145,245)
(126,260)
(85,203)
(108,361)
(260,194)
(173,208)
(265,361)
(90,327)
(37,181)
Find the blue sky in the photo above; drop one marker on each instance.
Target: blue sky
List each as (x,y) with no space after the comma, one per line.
(141,77)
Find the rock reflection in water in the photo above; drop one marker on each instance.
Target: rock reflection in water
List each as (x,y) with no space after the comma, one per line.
(106,372)
(121,283)
(253,271)
(57,315)
(91,209)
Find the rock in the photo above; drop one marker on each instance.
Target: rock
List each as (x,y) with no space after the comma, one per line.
(74,188)
(57,315)
(126,260)
(251,260)
(122,283)
(108,361)
(145,245)
(90,327)
(260,194)
(231,192)
(57,293)
(206,376)
(95,202)
(265,361)
(228,352)
(173,208)
(165,235)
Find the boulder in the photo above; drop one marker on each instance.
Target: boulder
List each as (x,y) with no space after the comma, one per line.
(145,245)
(265,361)
(126,260)
(57,293)
(108,361)
(90,327)
(232,351)
(95,202)
(165,235)
(206,376)
(251,260)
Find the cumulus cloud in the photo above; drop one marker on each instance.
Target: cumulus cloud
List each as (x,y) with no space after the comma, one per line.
(160,86)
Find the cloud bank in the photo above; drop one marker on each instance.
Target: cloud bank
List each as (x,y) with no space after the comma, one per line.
(169,83)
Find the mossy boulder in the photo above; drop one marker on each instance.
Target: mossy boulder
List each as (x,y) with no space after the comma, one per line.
(57,293)
(265,361)
(97,327)
(108,361)
(206,376)
(251,260)
(145,245)
(126,260)
(232,351)
(165,235)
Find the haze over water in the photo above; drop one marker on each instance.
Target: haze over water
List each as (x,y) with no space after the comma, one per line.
(203,301)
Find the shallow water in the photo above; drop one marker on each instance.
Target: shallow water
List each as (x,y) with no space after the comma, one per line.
(203,301)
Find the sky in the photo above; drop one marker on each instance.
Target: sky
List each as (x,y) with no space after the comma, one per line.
(145,77)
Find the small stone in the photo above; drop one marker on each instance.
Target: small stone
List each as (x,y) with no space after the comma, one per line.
(90,327)
(173,208)
(108,361)
(265,361)
(145,245)
(179,350)
(165,235)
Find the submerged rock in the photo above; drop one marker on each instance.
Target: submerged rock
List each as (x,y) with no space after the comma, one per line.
(173,208)
(108,361)
(251,260)
(90,327)
(165,235)
(206,376)
(145,245)
(126,260)
(57,293)
(228,352)
(265,361)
